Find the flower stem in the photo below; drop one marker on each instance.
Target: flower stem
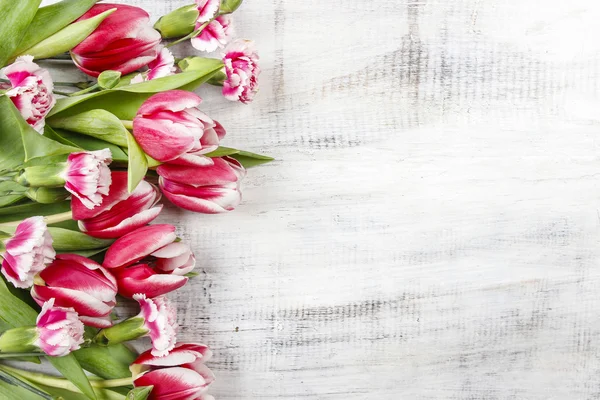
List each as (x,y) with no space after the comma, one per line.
(112,383)
(190,36)
(127,124)
(41,379)
(61,92)
(56,218)
(85,91)
(15,380)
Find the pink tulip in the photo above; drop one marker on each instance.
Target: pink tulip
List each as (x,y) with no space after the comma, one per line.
(125,41)
(30,90)
(164,261)
(181,375)
(160,319)
(121,212)
(88,177)
(215,35)
(170,127)
(164,65)
(207,9)
(27,252)
(59,330)
(209,190)
(78,282)
(242,70)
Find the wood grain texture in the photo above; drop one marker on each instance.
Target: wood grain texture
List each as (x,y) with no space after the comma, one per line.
(430,229)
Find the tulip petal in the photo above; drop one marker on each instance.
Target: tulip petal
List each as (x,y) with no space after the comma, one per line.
(173,100)
(127,225)
(173,383)
(223,171)
(138,244)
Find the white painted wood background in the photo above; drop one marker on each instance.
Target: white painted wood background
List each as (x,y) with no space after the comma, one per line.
(430,229)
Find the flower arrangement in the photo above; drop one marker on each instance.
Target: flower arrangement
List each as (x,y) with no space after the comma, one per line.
(86,168)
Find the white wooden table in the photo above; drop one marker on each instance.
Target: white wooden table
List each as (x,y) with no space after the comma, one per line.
(430,229)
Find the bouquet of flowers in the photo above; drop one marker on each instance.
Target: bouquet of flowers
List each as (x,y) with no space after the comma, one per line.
(83,169)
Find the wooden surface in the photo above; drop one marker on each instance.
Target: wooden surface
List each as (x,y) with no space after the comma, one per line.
(430,229)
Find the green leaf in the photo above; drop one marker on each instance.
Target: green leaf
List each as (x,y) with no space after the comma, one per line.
(16,17)
(51,19)
(111,362)
(67,38)
(66,240)
(11,192)
(29,209)
(11,144)
(124,101)
(246,158)
(99,124)
(249,160)
(140,393)
(191,274)
(69,367)
(109,79)
(138,163)
(86,143)
(12,387)
(64,394)
(13,311)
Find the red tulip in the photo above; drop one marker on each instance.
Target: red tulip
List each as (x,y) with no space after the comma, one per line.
(121,212)
(170,127)
(210,189)
(181,375)
(125,41)
(79,283)
(149,260)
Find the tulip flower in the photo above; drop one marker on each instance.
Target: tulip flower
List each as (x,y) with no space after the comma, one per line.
(30,90)
(58,332)
(125,41)
(181,375)
(164,65)
(214,35)
(85,175)
(121,212)
(78,282)
(242,70)
(27,252)
(164,261)
(170,127)
(211,189)
(157,319)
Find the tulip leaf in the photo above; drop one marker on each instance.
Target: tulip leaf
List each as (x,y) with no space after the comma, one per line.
(67,38)
(10,193)
(13,311)
(246,158)
(249,160)
(138,163)
(124,101)
(67,240)
(85,142)
(95,123)
(21,211)
(12,387)
(64,394)
(110,362)
(69,367)
(11,144)
(32,144)
(51,19)
(16,17)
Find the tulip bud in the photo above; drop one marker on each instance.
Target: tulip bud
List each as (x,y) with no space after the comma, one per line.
(229,6)
(178,23)
(44,195)
(109,79)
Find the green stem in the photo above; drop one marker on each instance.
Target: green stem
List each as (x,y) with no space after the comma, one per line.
(61,92)
(20,355)
(127,124)
(84,91)
(69,84)
(41,379)
(112,383)
(56,218)
(190,36)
